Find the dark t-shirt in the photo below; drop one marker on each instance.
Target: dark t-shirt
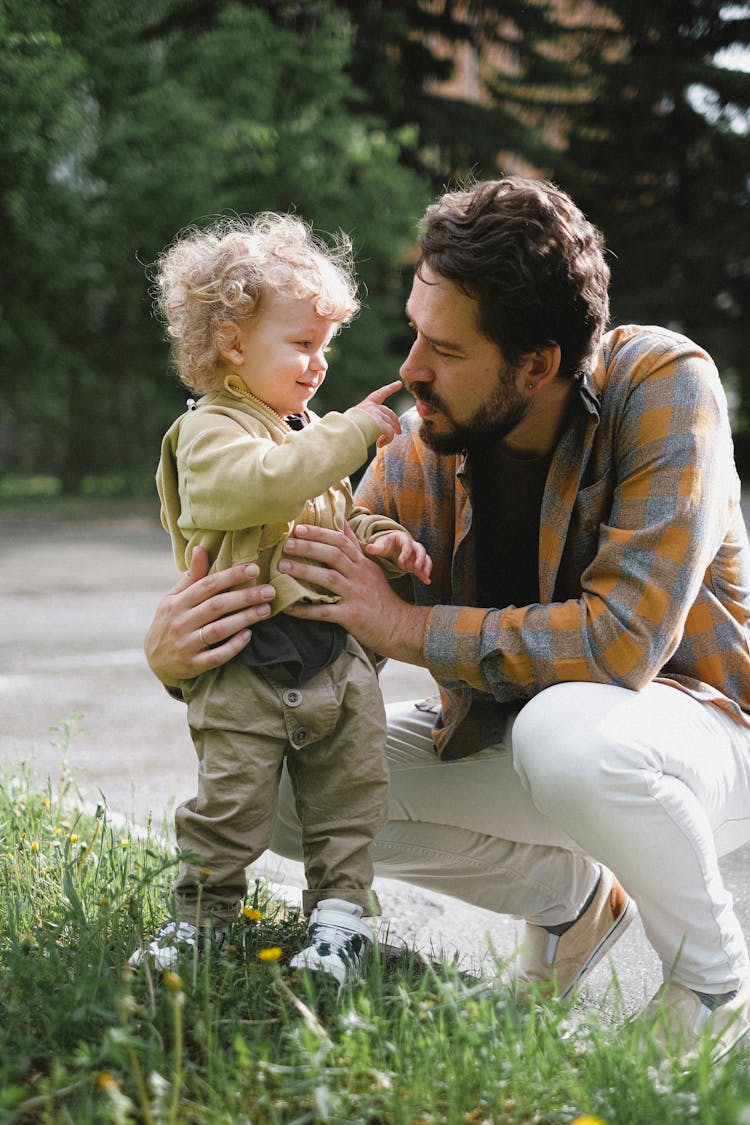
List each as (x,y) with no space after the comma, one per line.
(507,498)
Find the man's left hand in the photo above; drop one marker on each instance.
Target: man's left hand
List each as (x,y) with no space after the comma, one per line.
(367,607)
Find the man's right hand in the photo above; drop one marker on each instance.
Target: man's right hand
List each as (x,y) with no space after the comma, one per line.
(204,621)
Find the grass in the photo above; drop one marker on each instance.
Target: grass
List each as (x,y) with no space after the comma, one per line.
(26,499)
(24,489)
(239,1040)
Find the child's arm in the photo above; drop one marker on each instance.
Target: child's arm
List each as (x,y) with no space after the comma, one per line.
(405,552)
(240,478)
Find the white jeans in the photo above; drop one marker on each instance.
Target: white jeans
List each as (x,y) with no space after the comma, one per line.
(653,784)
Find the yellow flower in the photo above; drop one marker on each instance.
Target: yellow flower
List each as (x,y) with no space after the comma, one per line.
(588,1120)
(173,981)
(58,831)
(272,953)
(34,846)
(107,1083)
(47,803)
(252,914)
(73,838)
(124,842)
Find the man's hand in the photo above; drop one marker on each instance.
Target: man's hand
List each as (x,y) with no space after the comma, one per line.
(203,621)
(367,606)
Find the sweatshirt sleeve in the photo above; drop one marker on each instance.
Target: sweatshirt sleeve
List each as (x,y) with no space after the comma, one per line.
(369,526)
(234,479)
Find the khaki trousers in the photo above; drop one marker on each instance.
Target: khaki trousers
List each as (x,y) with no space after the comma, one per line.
(330,732)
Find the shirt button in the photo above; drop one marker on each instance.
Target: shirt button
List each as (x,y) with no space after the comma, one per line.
(299,736)
(292,697)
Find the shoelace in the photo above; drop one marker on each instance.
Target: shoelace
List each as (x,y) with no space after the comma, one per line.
(338,939)
(184,933)
(178,934)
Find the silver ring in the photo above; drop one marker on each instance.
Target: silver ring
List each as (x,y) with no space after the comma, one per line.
(204,642)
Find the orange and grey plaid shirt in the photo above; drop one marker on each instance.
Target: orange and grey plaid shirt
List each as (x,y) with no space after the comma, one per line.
(644,561)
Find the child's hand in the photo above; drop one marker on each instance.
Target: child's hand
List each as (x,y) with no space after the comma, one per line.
(404,551)
(383,415)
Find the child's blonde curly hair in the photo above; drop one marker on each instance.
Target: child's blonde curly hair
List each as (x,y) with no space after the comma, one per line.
(208,277)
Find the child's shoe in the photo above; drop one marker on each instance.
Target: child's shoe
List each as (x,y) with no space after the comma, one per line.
(175,941)
(338,941)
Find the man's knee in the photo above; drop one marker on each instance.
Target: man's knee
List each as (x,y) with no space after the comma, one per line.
(557,749)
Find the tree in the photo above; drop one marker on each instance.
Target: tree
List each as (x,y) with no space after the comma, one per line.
(658,153)
(41,129)
(405,55)
(170,141)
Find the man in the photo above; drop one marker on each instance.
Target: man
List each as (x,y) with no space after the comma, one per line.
(587,620)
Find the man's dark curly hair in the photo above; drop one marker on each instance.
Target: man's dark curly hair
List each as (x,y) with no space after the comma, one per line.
(531,259)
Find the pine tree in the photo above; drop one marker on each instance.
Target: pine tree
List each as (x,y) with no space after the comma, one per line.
(658,154)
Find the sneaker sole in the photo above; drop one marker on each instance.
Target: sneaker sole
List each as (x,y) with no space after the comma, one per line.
(628,915)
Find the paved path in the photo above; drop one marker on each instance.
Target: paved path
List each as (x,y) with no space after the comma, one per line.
(75,600)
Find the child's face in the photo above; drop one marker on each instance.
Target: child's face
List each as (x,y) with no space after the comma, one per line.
(283,352)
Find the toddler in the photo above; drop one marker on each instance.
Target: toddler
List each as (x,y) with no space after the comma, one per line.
(251,307)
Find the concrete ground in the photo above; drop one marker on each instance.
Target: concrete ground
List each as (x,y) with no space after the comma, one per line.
(77,699)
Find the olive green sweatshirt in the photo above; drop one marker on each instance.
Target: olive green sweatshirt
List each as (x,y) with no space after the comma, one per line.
(235,478)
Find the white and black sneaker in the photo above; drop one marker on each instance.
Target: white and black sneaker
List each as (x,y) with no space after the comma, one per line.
(338,941)
(175,941)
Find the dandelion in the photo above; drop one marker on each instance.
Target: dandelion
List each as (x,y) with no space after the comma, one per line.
(35,845)
(73,838)
(124,842)
(271,953)
(47,803)
(58,831)
(588,1120)
(252,914)
(120,1105)
(173,981)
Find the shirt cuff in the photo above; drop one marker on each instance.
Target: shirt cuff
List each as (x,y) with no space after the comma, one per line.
(452,645)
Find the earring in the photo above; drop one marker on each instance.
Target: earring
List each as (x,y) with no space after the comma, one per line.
(530,386)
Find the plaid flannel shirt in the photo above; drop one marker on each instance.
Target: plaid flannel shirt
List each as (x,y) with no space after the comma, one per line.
(644,562)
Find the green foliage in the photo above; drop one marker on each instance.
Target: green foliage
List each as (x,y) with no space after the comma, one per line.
(171,130)
(41,124)
(121,124)
(85,1038)
(658,155)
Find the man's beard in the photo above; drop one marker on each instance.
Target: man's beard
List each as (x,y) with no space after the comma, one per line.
(492,421)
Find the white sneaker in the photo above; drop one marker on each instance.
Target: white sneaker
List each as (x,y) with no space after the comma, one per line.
(677,1022)
(173,942)
(338,941)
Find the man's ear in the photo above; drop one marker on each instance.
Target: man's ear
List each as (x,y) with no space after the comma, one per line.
(540,366)
(229,343)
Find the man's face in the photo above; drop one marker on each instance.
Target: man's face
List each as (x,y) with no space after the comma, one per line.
(466,392)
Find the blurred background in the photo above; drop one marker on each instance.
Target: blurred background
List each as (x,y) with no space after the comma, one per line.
(122,123)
